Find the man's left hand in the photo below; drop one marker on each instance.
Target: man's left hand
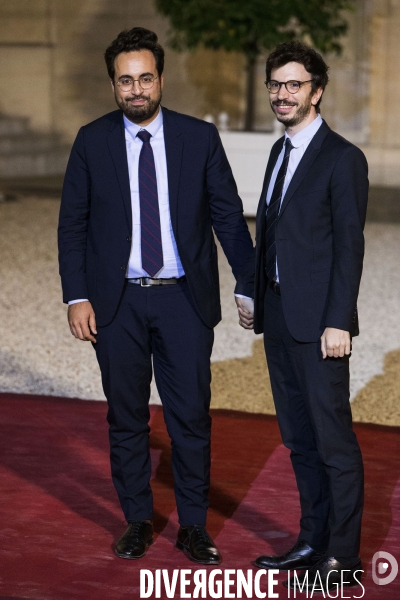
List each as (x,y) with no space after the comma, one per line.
(335,342)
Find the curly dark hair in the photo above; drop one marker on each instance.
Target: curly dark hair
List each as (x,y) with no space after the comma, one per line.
(306,56)
(133,40)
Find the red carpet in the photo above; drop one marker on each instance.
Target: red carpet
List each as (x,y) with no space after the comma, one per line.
(59,514)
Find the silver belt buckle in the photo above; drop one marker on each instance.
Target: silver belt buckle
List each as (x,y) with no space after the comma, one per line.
(144,284)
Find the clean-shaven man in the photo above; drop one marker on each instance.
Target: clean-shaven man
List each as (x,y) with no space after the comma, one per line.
(309,256)
(144,189)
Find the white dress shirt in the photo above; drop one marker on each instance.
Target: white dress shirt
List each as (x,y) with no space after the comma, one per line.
(172,263)
(300,143)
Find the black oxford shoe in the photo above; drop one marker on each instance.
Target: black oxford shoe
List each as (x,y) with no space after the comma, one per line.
(301,556)
(135,541)
(198,545)
(326,575)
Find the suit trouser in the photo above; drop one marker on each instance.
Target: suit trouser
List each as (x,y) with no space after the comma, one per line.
(158,322)
(311,397)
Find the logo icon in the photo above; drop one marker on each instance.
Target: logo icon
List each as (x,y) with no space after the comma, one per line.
(380,568)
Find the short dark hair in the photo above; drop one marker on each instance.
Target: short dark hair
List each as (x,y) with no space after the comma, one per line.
(306,56)
(133,40)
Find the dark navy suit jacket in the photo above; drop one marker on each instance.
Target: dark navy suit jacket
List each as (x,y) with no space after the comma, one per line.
(95,225)
(319,238)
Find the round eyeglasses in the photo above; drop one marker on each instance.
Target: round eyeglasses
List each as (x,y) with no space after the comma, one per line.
(146,82)
(291,86)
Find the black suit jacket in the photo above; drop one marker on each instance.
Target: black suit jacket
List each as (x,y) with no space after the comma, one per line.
(319,238)
(95,224)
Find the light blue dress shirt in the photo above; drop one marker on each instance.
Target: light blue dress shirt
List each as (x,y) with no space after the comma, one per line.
(172,263)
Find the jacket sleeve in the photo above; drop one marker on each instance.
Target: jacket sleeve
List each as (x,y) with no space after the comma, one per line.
(73,223)
(349,196)
(227,216)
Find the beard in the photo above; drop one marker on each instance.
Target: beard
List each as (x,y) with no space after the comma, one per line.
(138,114)
(302,112)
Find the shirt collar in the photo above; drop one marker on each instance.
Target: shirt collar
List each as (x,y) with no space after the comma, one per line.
(152,127)
(307,133)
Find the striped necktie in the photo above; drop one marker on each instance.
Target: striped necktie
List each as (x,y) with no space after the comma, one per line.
(152,254)
(272,215)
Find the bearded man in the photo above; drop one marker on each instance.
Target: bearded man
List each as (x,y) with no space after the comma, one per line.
(143,191)
(309,258)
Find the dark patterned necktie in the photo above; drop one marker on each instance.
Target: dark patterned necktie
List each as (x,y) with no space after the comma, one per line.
(272,214)
(152,254)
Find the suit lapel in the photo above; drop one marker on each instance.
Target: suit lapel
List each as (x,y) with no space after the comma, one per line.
(262,207)
(304,165)
(117,146)
(173,150)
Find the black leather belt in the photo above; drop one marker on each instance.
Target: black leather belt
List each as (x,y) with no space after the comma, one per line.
(149,281)
(275,287)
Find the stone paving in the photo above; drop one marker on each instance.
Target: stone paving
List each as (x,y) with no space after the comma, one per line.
(38,355)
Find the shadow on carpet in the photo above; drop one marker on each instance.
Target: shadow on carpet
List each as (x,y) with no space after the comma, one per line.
(59,514)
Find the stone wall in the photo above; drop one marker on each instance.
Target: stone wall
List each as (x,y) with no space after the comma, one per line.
(385,83)
(26,51)
(53,70)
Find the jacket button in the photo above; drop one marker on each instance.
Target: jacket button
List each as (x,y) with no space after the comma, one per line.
(123,268)
(129,239)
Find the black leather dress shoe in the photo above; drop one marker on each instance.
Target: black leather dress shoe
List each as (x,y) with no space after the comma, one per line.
(301,556)
(198,545)
(135,541)
(327,574)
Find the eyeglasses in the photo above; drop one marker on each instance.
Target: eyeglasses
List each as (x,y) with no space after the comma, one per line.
(291,86)
(146,82)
